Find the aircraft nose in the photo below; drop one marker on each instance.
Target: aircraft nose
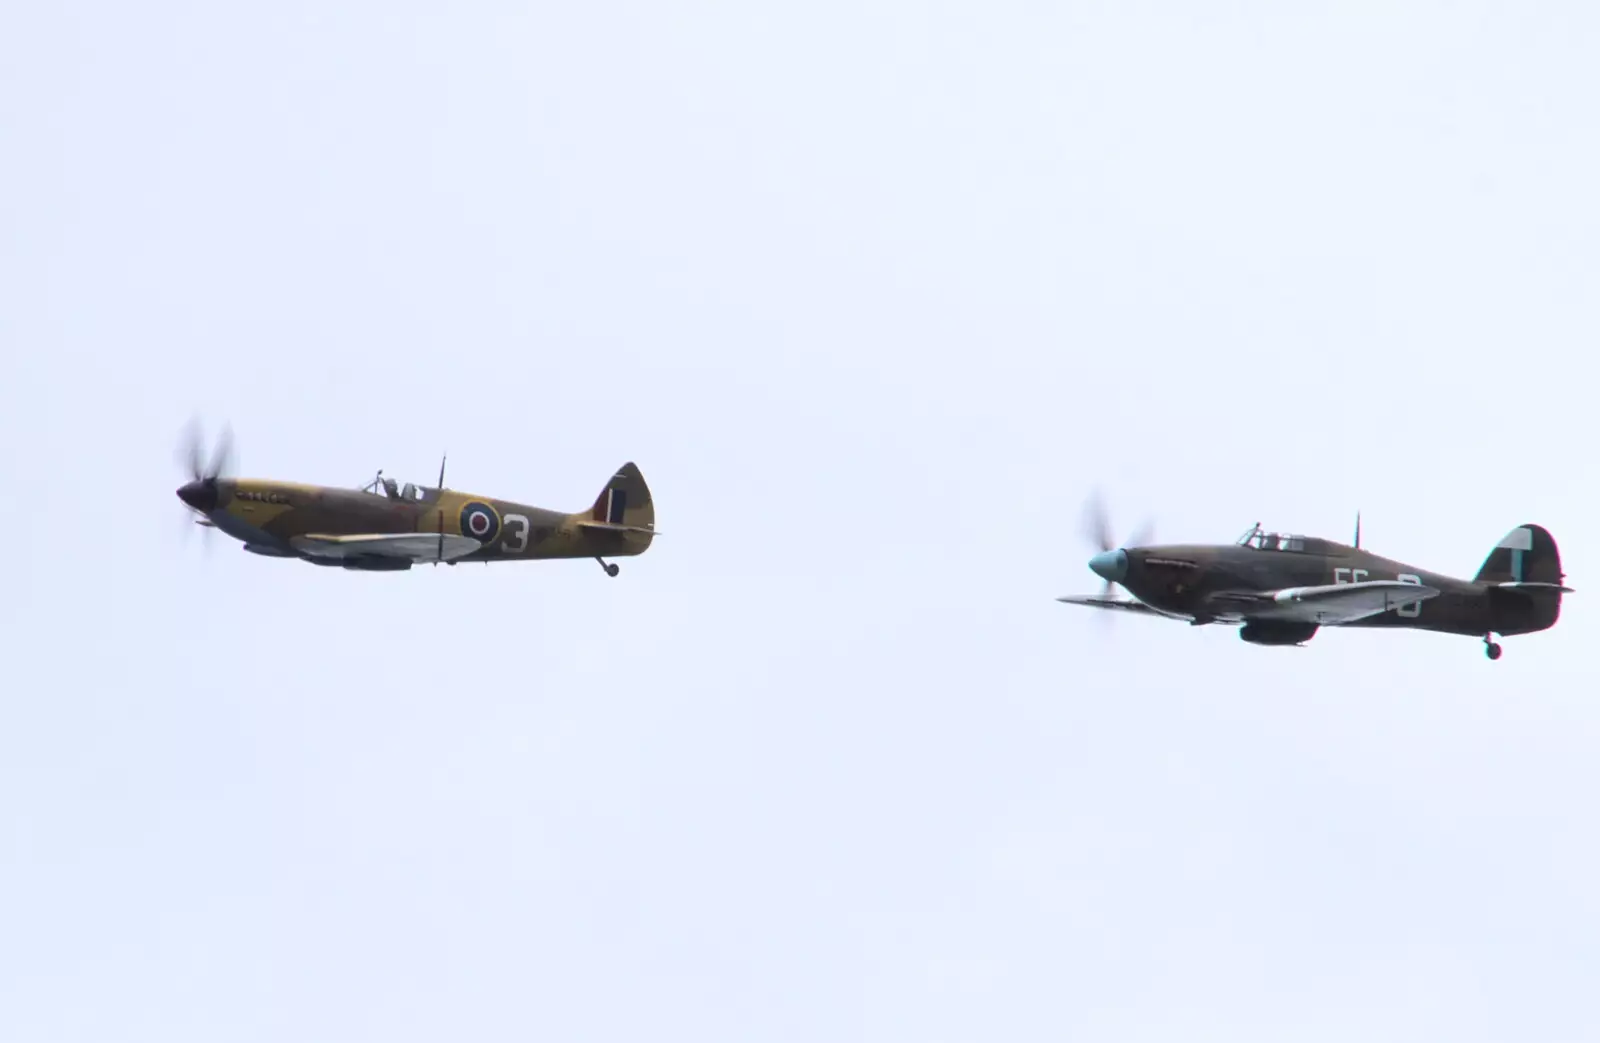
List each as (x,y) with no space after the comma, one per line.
(200,495)
(1110,565)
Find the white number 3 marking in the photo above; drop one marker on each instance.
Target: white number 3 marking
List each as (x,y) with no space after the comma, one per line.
(521,533)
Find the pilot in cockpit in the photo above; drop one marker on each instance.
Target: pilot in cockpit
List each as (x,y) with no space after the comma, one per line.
(392,488)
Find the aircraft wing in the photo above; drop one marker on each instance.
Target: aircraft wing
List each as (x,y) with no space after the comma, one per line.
(1327,605)
(1124,605)
(414,546)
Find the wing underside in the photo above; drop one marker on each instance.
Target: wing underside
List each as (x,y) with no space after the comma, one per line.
(1332,604)
(1329,605)
(410,546)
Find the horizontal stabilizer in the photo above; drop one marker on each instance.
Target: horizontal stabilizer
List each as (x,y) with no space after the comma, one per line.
(413,546)
(596,526)
(1536,588)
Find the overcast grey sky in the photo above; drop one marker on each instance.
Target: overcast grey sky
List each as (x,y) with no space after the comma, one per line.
(875,294)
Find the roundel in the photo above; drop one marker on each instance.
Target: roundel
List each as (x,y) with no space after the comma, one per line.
(479,521)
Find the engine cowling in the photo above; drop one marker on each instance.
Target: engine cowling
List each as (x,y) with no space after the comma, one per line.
(1276,632)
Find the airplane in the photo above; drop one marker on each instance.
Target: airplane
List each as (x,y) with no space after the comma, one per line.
(383,527)
(1281,588)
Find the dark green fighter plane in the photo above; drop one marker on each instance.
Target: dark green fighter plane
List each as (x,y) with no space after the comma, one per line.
(1281,588)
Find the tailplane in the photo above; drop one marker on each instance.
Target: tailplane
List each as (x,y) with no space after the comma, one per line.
(1526,559)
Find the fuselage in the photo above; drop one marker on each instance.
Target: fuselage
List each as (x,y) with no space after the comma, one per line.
(266,516)
(1178,578)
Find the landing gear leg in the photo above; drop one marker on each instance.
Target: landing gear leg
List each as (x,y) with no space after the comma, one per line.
(611,568)
(1490,649)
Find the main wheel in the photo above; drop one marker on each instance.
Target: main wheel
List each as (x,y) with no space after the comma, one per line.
(1492,650)
(613,568)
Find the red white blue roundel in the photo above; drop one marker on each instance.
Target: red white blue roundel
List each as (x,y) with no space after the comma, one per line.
(480,521)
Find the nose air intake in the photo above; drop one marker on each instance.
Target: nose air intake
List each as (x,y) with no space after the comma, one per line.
(1111,565)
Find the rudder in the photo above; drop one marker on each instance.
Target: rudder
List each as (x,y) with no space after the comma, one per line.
(625,501)
(1526,554)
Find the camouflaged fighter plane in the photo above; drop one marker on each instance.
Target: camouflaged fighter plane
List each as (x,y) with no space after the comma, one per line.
(384,527)
(1281,588)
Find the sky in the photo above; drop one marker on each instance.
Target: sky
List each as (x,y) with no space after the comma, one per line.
(876,295)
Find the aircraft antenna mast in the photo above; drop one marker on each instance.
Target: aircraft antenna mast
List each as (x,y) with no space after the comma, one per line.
(438,555)
(1358,530)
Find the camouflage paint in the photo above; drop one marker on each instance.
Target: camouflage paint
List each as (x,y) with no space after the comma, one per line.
(267,515)
(1193,581)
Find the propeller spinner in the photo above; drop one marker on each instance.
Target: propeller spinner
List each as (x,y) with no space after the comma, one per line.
(200,493)
(1111,564)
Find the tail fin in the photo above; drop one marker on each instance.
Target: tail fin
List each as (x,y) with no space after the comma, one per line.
(623,507)
(1527,557)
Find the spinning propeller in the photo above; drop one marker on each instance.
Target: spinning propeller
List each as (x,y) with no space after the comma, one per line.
(200,493)
(1097,529)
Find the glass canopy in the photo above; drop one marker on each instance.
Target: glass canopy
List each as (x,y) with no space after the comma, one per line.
(1259,539)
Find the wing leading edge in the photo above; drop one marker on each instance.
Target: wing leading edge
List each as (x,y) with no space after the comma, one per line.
(1125,605)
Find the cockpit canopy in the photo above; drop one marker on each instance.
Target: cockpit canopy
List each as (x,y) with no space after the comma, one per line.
(1259,539)
(410,493)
